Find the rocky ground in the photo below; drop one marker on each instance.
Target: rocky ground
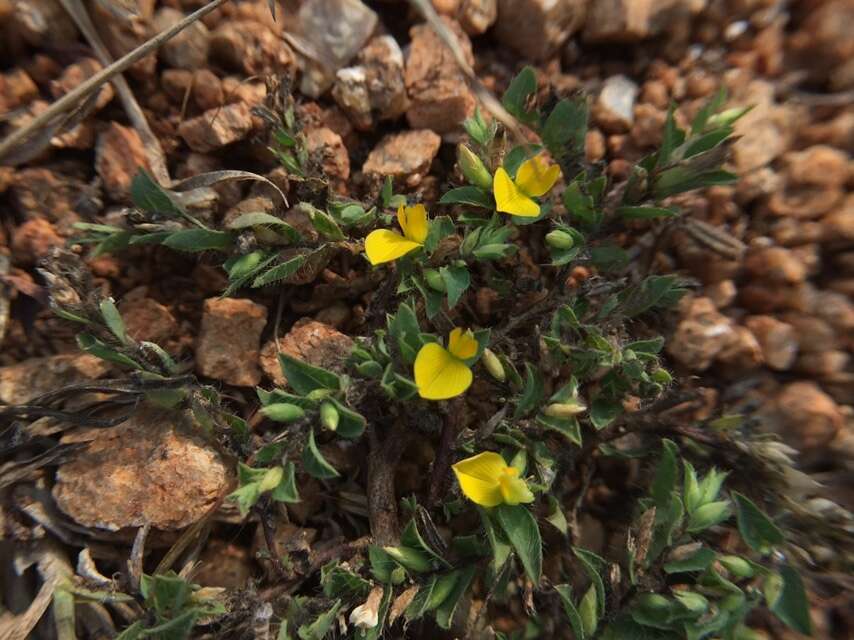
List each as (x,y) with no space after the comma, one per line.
(768,328)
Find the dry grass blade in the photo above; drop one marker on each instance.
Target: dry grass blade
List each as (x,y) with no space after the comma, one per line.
(73,97)
(153,150)
(215,177)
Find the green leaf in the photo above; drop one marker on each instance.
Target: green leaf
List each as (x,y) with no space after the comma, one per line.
(468,195)
(575,621)
(259,218)
(313,461)
(712,106)
(587,611)
(323,222)
(604,411)
(700,561)
(457,280)
(556,517)
(149,196)
(580,204)
(113,319)
(318,629)
(645,213)
(387,192)
(283,412)
(195,240)
(404,329)
(517,155)
(441,227)
(339,582)
(280,271)
(445,611)
(91,344)
(708,515)
(500,549)
(792,606)
(350,423)
(665,475)
(593,565)
(246,497)
(532,393)
(566,126)
(673,137)
(608,257)
(756,529)
(568,427)
(286,490)
(521,529)
(705,142)
(516,96)
(305,378)
(382,564)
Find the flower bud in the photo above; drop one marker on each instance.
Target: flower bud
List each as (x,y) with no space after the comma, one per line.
(653,603)
(694,602)
(370,369)
(472,168)
(684,551)
(271,479)
(435,280)
(566,409)
(493,365)
(329,415)
(283,412)
(737,566)
(409,558)
(559,239)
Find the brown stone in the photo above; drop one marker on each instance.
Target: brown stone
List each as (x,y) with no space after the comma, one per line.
(207,90)
(404,155)
(440,98)
(775,265)
(148,320)
(43,22)
(648,127)
(76,73)
(818,166)
(119,156)
(33,240)
(822,364)
(631,20)
(476,16)
(311,341)
(154,468)
(537,28)
(123,36)
(742,352)
(762,133)
(188,49)
(721,293)
(217,128)
(251,48)
(839,224)
(701,334)
(327,149)
(805,415)
(224,565)
(227,348)
(778,340)
(16,90)
(21,382)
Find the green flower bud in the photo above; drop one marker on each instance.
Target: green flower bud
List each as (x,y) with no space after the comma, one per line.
(271,479)
(731,602)
(694,602)
(442,589)
(653,603)
(737,566)
(329,415)
(662,376)
(370,369)
(398,575)
(409,558)
(435,280)
(566,409)
(283,412)
(708,515)
(360,354)
(493,365)
(559,239)
(472,168)
(318,394)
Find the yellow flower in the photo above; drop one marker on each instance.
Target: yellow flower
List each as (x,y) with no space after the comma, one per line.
(534,178)
(488,481)
(384,245)
(442,373)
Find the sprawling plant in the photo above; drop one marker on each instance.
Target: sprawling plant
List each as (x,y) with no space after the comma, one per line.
(526,402)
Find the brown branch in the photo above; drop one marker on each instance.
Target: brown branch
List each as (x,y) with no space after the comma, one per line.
(442,462)
(382,499)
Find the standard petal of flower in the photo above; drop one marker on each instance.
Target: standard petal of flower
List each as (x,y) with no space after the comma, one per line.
(383,245)
(488,466)
(438,374)
(486,494)
(515,491)
(509,199)
(462,344)
(413,221)
(536,176)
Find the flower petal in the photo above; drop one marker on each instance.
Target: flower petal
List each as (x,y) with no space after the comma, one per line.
(438,374)
(478,478)
(509,199)
(536,176)
(462,344)
(515,491)
(383,245)
(413,221)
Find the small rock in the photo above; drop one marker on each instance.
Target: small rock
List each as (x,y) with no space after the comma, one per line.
(839,224)
(337,30)
(229,337)
(613,110)
(837,310)
(438,91)
(824,42)
(804,203)
(16,90)
(119,155)
(216,128)
(77,73)
(404,155)
(43,23)
(188,49)
(648,128)
(311,341)
(123,36)
(822,364)
(721,293)
(375,87)
(805,415)
(207,90)
(633,20)
(153,468)
(21,382)
(818,166)
(775,265)
(176,84)
(224,565)
(33,240)
(148,320)
(779,341)
(762,134)
(476,16)
(701,334)
(537,28)
(335,316)
(255,204)
(594,145)
(742,352)
(250,47)
(327,148)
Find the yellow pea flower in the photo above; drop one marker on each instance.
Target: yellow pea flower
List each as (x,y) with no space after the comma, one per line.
(441,373)
(533,179)
(385,245)
(488,481)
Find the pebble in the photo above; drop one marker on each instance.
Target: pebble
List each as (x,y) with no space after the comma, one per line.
(701,334)
(119,155)
(477,16)
(406,155)
(227,347)
(189,48)
(775,265)
(26,380)
(148,320)
(309,340)
(32,240)
(250,47)
(217,127)
(16,90)
(327,149)
(78,72)
(805,415)
(613,110)
(778,340)
(633,20)
(537,28)
(440,98)
(818,166)
(154,468)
